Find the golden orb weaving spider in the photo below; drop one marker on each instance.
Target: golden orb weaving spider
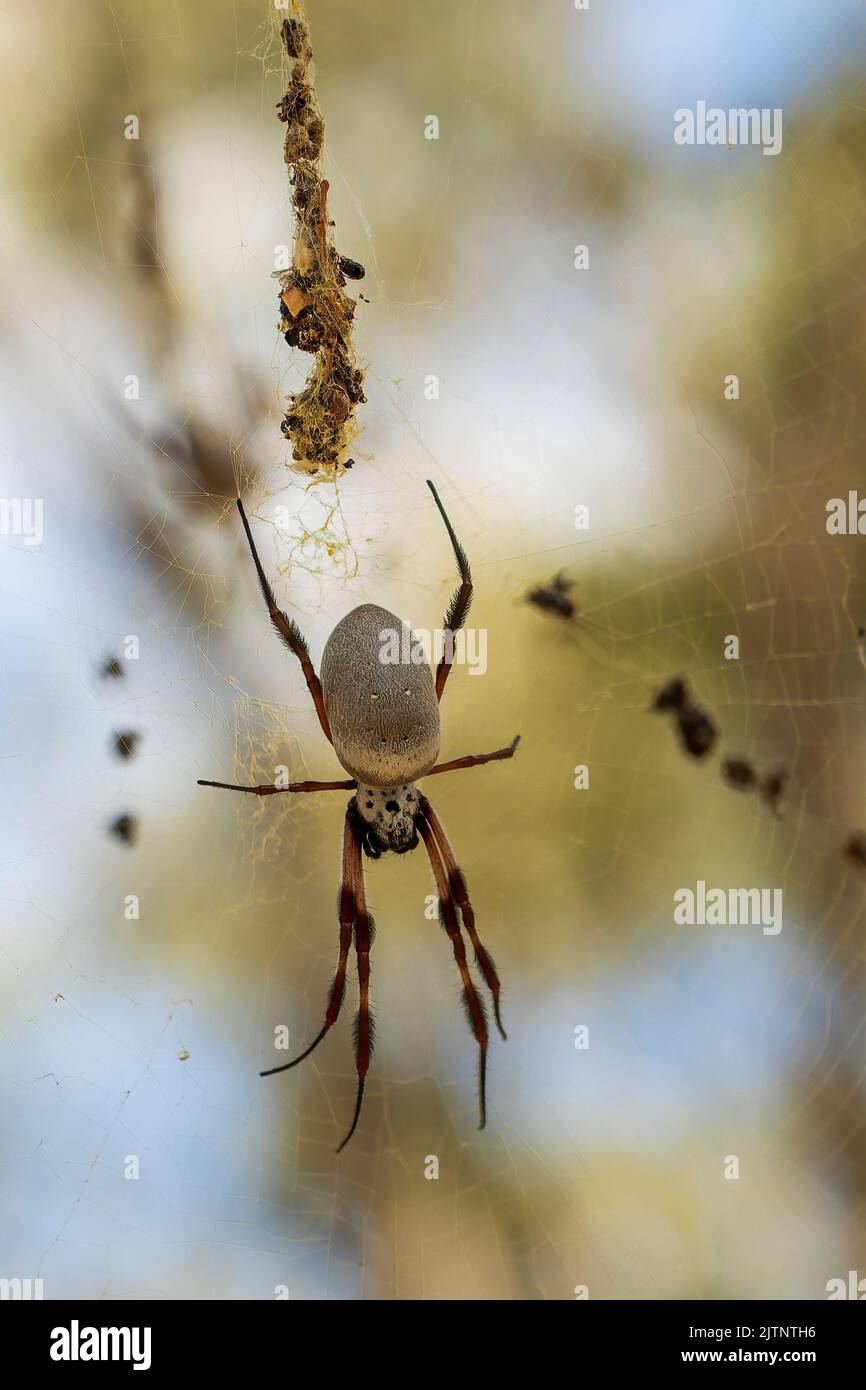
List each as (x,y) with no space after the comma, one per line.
(381,715)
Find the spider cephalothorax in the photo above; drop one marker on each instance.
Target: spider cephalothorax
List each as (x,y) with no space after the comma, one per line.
(380,711)
(388,818)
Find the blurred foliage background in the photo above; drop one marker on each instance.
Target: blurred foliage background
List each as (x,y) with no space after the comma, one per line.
(601,1167)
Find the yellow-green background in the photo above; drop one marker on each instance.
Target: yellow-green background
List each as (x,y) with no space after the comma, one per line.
(602,1167)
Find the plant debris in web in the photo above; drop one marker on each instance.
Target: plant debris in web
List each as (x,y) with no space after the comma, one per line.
(316,314)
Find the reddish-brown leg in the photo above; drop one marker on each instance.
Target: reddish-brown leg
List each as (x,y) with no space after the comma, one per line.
(364,929)
(289,631)
(351,870)
(271,790)
(475,759)
(474,1006)
(457,885)
(459,607)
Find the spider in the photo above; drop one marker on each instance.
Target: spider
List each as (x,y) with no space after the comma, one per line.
(382,719)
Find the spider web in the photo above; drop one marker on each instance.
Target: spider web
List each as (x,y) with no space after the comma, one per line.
(142,1038)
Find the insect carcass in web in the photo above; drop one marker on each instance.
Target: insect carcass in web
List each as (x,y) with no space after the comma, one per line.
(382,719)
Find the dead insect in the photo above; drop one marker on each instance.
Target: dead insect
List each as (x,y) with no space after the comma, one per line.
(125,827)
(855,849)
(697,730)
(740,774)
(674,695)
(126,743)
(111,669)
(553,597)
(353,270)
(771,788)
(381,716)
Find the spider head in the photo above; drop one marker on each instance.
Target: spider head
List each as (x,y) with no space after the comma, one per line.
(388,818)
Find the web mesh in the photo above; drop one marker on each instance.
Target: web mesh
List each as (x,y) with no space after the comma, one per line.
(143,1155)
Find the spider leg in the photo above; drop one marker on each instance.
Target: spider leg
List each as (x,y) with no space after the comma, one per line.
(351,869)
(290,787)
(459,606)
(289,631)
(474,1006)
(364,1034)
(457,886)
(475,759)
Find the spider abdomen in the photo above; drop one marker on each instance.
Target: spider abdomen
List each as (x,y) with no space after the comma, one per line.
(380,698)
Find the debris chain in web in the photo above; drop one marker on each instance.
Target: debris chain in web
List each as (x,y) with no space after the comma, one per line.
(316,314)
